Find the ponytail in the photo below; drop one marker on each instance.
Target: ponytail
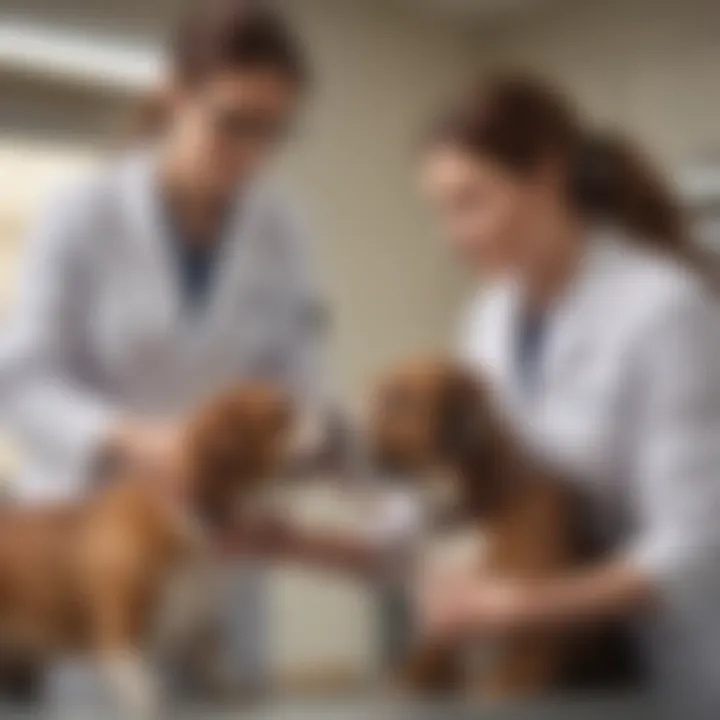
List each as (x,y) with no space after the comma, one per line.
(612,181)
(521,123)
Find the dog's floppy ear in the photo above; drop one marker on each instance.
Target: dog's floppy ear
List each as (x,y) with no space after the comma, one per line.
(461,417)
(475,440)
(213,449)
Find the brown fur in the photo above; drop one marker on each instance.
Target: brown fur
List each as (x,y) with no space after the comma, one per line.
(432,413)
(89,576)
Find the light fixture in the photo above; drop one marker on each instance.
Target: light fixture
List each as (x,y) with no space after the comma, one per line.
(70,56)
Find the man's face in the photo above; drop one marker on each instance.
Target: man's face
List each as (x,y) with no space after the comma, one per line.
(231,124)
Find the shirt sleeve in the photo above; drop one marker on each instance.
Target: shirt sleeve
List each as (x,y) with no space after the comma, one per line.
(676,468)
(44,403)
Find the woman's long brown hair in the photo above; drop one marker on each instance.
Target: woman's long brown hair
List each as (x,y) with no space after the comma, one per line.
(521,122)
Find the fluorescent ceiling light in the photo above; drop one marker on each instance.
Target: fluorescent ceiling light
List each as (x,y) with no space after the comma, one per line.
(81,58)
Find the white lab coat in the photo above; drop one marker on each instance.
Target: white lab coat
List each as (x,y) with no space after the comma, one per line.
(100,330)
(628,401)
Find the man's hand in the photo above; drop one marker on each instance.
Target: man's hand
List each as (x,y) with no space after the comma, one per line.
(150,447)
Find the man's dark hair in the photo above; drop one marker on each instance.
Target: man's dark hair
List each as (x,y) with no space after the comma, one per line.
(221,35)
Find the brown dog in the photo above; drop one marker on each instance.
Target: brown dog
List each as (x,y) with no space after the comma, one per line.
(435,414)
(92,577)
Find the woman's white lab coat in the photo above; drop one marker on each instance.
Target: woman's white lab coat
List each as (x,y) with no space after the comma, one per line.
(100,330)
(628,401)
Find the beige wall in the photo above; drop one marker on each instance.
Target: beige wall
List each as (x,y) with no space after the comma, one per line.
(650,65)
(381,72)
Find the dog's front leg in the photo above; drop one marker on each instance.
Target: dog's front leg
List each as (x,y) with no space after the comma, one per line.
(529,667)
(121,608)
(134,684)
(432,669)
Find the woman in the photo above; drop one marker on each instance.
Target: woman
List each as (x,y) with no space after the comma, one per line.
(172,274)
(601,334)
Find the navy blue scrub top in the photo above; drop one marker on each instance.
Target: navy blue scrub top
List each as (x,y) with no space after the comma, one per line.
(528,350)
(196,263)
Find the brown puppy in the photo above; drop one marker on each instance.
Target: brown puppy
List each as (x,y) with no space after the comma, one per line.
(92,577)
(435,414)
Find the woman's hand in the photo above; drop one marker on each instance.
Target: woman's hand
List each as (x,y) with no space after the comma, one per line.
(472,605)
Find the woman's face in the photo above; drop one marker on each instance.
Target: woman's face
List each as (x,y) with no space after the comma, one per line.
(491,216)
(230,125)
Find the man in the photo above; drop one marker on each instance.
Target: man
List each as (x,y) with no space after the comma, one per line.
(170,275)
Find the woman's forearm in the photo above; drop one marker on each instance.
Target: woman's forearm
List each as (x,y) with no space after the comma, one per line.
(610,591)
(613,590)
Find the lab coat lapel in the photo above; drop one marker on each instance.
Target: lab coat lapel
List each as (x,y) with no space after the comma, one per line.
(234,269)
(499,346)
(148,235)
(216,333)
(571,331)
(507,348)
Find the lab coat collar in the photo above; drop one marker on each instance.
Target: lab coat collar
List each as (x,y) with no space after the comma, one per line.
(571,331)
(149,231)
